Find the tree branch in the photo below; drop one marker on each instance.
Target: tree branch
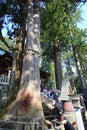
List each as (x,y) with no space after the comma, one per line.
(4,41)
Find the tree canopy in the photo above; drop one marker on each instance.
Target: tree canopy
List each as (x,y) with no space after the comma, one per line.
(61,43)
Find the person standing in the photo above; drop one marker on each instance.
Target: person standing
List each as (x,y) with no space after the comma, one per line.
(67,124)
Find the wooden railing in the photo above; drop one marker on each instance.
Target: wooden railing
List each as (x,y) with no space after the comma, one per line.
(22,124)
(4,79)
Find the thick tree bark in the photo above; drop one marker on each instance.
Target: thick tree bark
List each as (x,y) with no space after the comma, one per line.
(16,66)
(58,66)
(29,97)
(28,101)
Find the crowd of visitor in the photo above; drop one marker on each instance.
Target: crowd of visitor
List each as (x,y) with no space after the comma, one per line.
(54,94)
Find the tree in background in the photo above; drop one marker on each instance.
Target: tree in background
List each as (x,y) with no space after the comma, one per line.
(55,32)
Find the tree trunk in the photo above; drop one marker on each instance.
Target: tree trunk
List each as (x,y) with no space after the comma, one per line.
(77,61)
(78,66)
(29,97)
(16,66)
(70,75)
(58,66)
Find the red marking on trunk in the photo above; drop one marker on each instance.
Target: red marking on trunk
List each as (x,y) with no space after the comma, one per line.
(25,103)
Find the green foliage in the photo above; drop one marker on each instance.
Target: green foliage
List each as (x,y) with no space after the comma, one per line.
(9,41)
(49,68)
(55,25)
(54,21)
(77,84)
